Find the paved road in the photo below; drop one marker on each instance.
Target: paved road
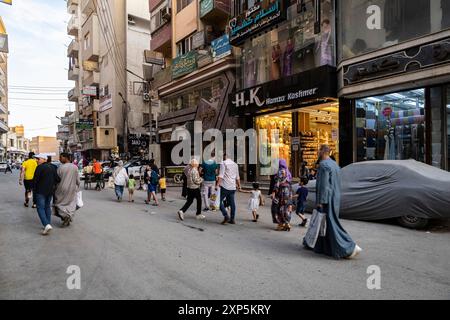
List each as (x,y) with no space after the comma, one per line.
(138,252)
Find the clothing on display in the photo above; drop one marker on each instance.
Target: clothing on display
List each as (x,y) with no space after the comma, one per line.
(250,71)
(276,63)
(288,59)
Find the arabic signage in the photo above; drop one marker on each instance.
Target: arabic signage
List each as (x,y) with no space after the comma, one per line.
(301,88)
(4,43)
(105,103)
(85,124)
(89,91)
(184,64)
(256,19)
(138,142)
(205,7)
(221,47)
(198,40)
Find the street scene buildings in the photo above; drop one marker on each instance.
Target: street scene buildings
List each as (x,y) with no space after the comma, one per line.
(349,101)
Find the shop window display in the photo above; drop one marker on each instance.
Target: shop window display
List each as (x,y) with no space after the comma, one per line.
(391,127)
(282,123)
(401,20)
(291,48)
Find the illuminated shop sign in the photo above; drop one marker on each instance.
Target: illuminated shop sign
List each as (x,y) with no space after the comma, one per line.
(256,19)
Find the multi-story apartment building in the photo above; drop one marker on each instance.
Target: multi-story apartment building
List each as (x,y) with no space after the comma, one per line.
(65,134)
(3,91)
(45,145)
(18,146)
(199,66)
(106,59)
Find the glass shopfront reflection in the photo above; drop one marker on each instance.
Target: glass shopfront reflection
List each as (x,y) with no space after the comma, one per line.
(401,20)
(291,48)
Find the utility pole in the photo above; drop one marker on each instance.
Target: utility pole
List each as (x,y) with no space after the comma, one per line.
(125,126)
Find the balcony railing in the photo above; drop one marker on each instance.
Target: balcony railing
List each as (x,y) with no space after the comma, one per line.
(72,6)
(74,73)
(73,95)
(162,77)
(73,49)
(3,109)
(3,126)
(73,26)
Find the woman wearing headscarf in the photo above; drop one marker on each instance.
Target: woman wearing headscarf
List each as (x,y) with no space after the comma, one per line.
(282,201)
(120,176)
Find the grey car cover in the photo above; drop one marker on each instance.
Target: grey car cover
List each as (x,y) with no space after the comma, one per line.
(389,189)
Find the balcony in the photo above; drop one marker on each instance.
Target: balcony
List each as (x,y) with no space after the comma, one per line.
(162,77)
(73,26)
(72,6)
(74,94)
(214,10)
(91,35)
(2,57)
(88,6)
(161,39)
(74,73)
(3,127)
(73,49)
(91,78)
(2,91)
(3,109)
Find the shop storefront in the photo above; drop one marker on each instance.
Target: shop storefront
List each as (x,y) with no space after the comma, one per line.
(394,81)
(302,108)
(286,79)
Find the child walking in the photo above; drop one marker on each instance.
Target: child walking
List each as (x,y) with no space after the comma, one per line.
(302,195)
(131,188)
(163,185)
(256,200)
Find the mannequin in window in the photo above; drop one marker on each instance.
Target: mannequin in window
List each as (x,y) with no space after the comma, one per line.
(288,58)
(276,62)
(250,70)
(262,65)
(324,46)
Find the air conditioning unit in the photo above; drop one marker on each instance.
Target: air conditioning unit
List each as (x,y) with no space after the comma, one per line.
(166,14)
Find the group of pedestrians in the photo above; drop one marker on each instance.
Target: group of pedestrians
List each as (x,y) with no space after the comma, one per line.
(50,188)
(224,180)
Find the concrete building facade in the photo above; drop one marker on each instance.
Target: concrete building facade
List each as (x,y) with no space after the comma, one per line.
(46,145)
(106,59)
(4,113)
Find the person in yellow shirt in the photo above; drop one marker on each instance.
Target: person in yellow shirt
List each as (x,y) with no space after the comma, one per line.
(163,185)
(27,178)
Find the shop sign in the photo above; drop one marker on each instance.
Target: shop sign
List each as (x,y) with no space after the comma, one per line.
(105,103)
(221,47)
(85,124)
(399,63)
(254,20)
(153,57)
(299,88)
(138,141)
(198,40)
(205,7)
(65,121)
(184,64)
(63,128)
(89,91)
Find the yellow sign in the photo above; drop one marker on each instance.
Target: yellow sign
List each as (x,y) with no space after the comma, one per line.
(7,1)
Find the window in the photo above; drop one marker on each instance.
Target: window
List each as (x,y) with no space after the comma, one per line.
(157,20)
(292,48)
(86,41)
(181,4)
(184,46)
(107,120)
(391,127)
(146,118)
(398,21)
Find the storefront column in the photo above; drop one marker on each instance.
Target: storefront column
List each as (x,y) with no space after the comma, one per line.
(347,125)
(437,138)
(251,168)
(295,153)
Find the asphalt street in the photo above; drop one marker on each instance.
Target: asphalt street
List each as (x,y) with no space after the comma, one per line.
(134,251)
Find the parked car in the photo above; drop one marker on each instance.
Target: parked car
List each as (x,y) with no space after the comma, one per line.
(136,167)
(3,166)
(411,192)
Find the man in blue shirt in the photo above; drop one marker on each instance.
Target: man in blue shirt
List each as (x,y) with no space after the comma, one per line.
(209,170)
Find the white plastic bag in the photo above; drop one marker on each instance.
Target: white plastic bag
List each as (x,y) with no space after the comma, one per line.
(214,200)
(316,228)
(80,203)
(111,183)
